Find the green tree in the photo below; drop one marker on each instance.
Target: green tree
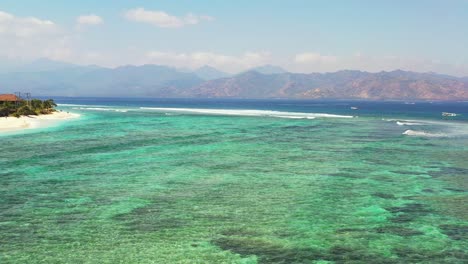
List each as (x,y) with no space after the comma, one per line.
(32,107)
(49,104)
(36,104)
(7,108)
(4,111)
(25,110)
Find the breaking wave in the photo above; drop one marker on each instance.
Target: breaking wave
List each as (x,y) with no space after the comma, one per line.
(229,112)
(429,128)
(405,123)
(101,109)
(432,128)
(410,132)
(79,105)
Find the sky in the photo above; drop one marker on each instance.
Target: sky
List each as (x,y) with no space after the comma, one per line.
(298,35)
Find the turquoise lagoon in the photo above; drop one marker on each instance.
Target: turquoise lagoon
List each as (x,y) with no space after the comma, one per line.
(134,182)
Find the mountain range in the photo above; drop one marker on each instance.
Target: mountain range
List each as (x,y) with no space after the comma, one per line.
(52,78)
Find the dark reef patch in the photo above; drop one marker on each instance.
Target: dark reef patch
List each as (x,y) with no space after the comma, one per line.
(288,234)
(409,172)
(350,173)
(70,218)
(448,171)
(408,212)
(12,199)
(269,252)
(344,254)
(455,190)
(243,232)
(350,230)
(154,217)
(346,175)
(455,232)
(402,218)
(384,195)
(379,162)
(408,255)
(412,208)
(400,231)
(51,182)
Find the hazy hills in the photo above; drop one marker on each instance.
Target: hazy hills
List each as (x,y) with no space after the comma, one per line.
(338,85)
(146,80)
(44,77)
(269,69)
(210,73)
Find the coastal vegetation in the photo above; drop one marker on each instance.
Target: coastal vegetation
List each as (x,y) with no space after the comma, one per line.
(27,107)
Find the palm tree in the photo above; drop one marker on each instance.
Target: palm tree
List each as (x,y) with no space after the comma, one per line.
(48,104)
(36,104)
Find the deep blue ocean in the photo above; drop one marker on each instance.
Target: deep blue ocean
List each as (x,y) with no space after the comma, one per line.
(366,108)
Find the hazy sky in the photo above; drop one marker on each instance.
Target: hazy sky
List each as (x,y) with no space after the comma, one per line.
(301,36)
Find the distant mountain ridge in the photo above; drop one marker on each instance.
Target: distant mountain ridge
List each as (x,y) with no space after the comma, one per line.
(269,69)
(210,73)
(394,85)
(62,79)
(145,80)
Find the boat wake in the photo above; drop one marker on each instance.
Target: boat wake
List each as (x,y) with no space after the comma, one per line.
(229,112)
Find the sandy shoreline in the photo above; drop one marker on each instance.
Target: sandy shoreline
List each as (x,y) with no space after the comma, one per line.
(12,124)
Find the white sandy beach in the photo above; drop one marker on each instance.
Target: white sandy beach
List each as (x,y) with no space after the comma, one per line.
(11,124)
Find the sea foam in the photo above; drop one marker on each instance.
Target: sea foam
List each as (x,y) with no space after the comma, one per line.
(232,112)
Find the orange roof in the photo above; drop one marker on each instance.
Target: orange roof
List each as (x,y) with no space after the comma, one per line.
(9,98)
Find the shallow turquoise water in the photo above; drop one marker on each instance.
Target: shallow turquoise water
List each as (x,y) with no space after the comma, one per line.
(144,186)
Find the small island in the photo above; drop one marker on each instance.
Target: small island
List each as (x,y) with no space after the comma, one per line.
(17,113)
(12,105)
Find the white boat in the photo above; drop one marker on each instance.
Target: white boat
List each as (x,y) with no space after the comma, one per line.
(448,114)
(354,108)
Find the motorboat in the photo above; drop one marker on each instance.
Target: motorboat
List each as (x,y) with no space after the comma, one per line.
(448,114)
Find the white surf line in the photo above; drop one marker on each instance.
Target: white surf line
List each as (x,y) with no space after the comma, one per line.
(232,112)
(442,128)
(406,123)
(82,105)
(101,109)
